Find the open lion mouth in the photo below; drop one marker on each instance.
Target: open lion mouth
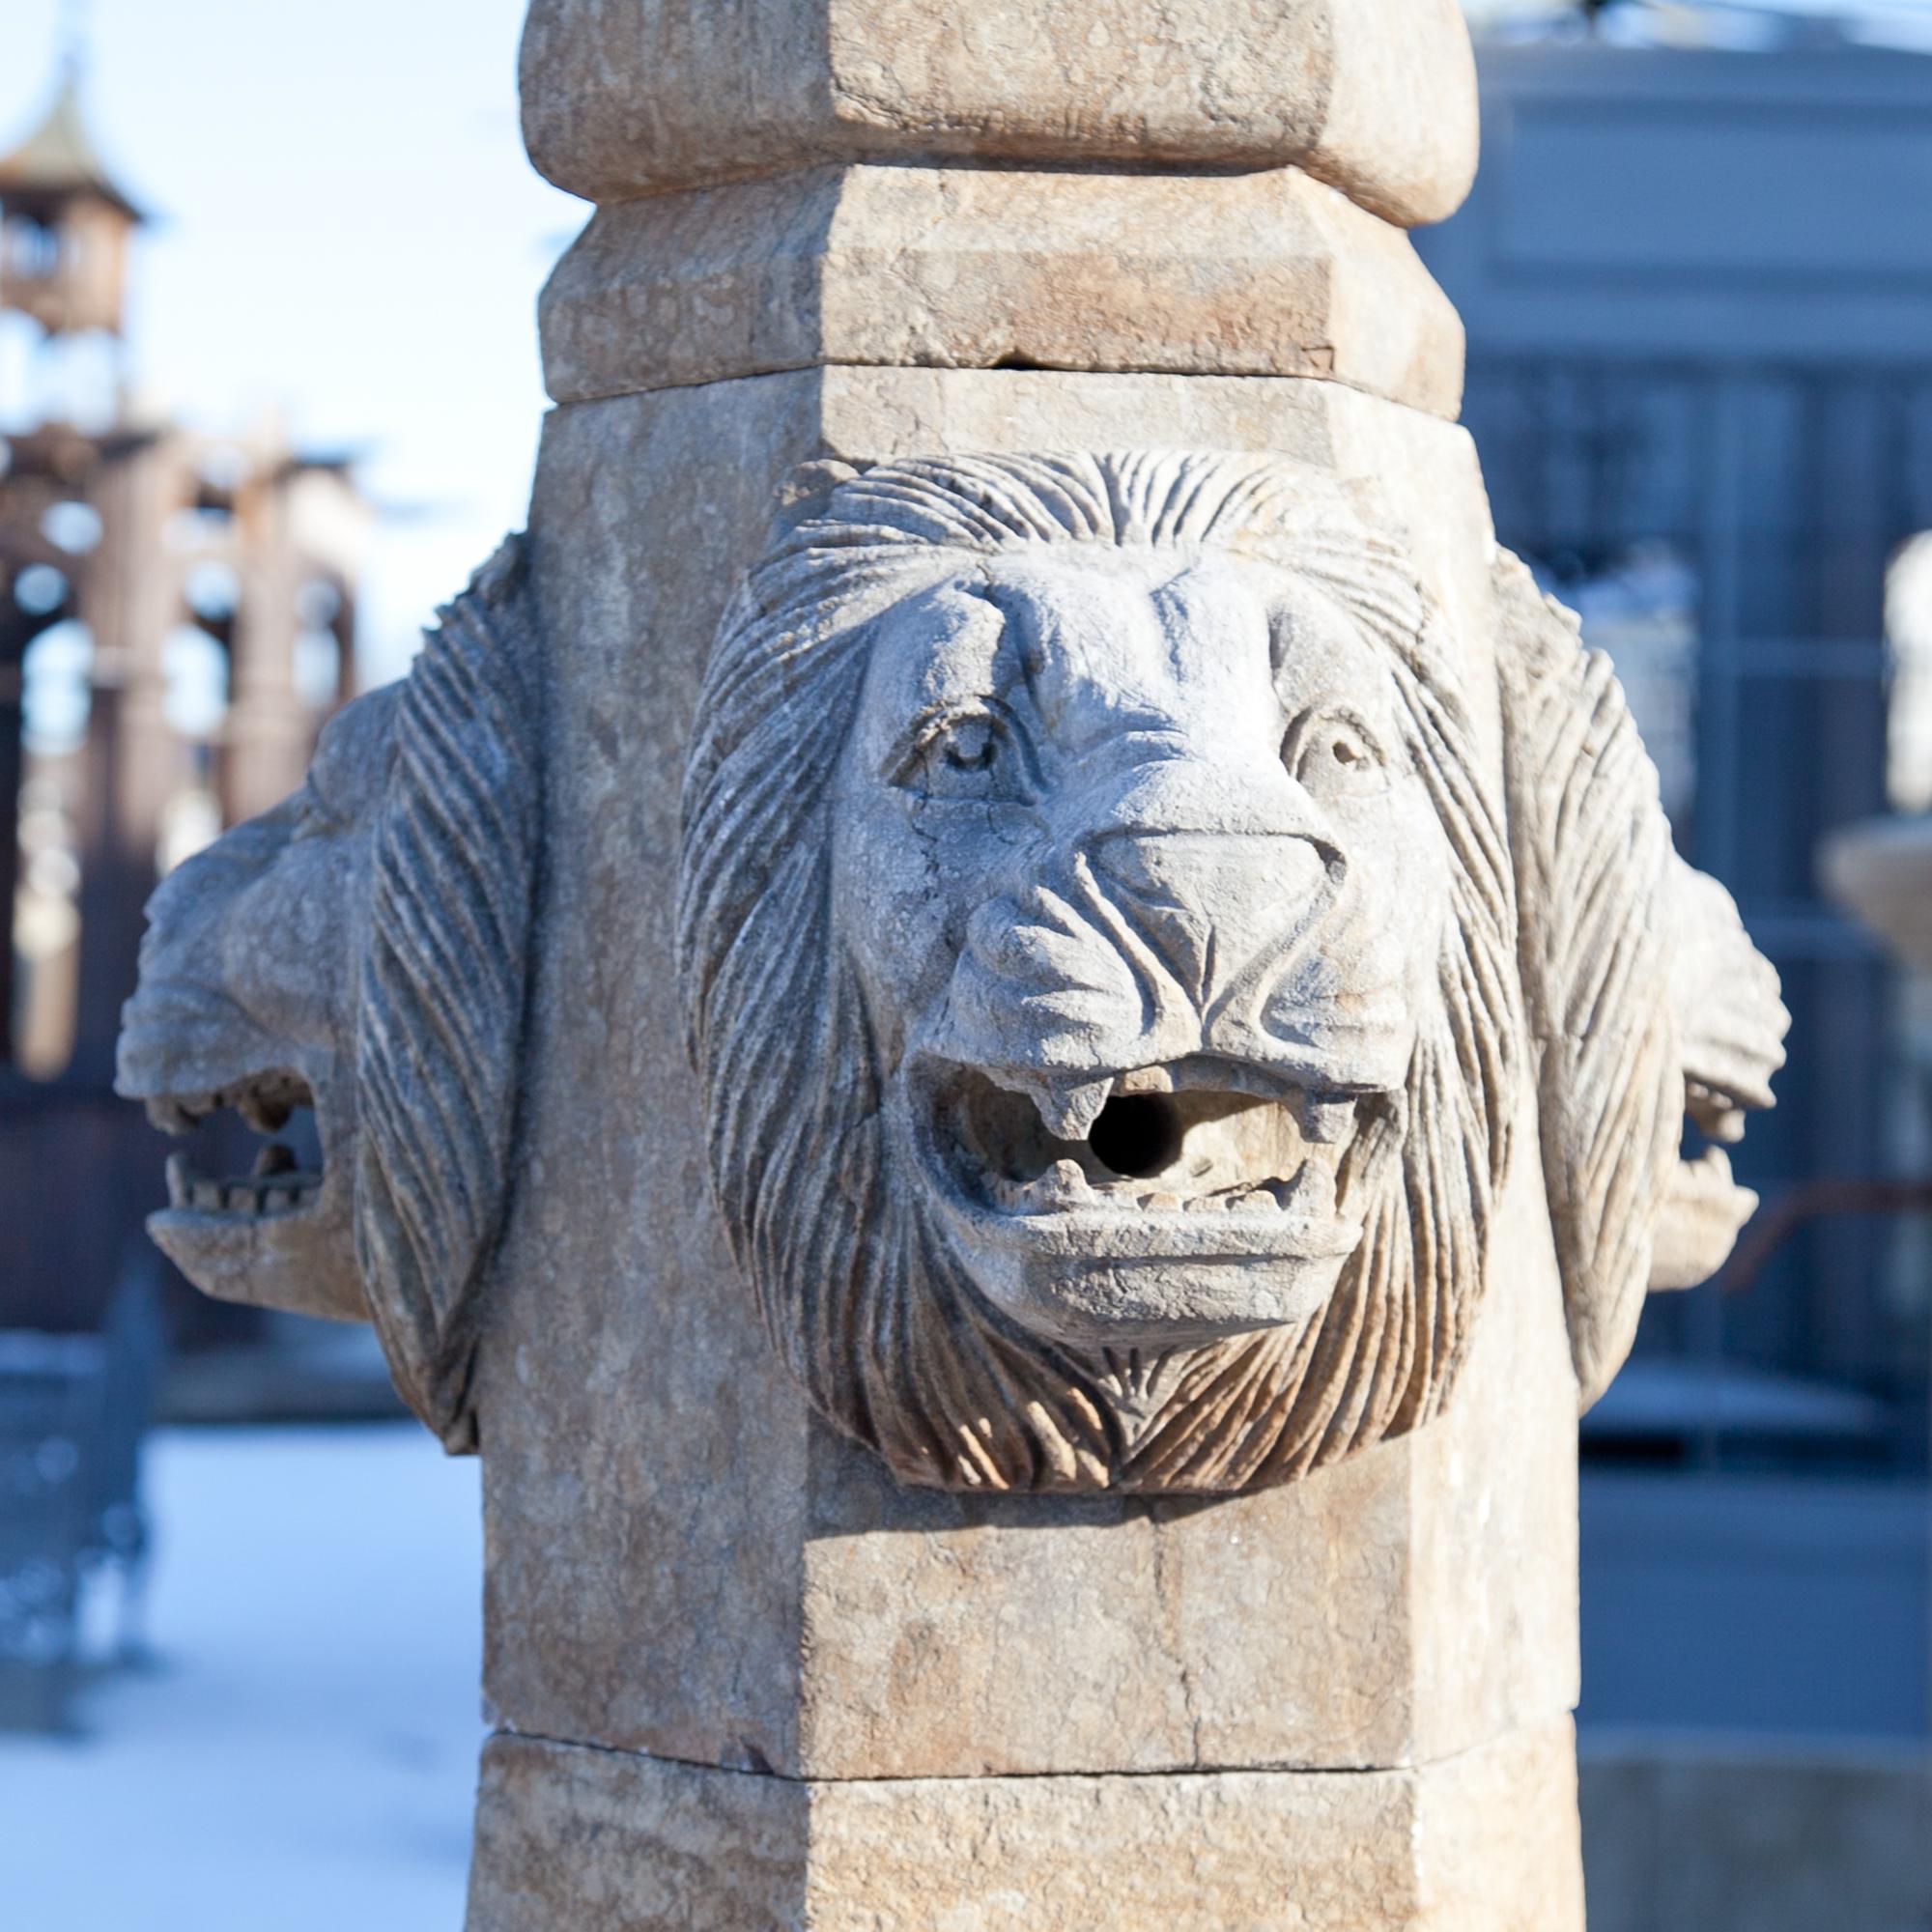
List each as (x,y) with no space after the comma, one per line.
(280,1183)
(1195,1156)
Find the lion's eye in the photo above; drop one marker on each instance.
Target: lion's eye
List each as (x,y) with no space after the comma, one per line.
(971,746)
(975,755)
(1334,756)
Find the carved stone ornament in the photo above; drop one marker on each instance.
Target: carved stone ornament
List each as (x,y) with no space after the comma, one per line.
(362,949)
(1648,1000)
(1112,974)
(1103,965)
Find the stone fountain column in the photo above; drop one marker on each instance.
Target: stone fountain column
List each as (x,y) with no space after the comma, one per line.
(740,1677)
(1007,1021)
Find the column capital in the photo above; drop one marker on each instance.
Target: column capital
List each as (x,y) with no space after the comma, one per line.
(1377,97)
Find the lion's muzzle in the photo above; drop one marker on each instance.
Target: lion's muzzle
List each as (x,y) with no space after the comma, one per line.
(1217,913)
(1157,1205)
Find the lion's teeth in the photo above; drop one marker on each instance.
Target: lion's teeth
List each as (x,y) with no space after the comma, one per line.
(1069,1106)
(1327,1123)
(1253,1200)
(1062,1181)
(264,1114)
(168,1114)
(273,1159)
(181,1181)
(1312,1192)
(206,1195)
(1163,1204)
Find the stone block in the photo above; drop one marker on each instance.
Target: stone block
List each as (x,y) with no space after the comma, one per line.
(1377,96)
(681,1560)
(611,1842)
(1261,275)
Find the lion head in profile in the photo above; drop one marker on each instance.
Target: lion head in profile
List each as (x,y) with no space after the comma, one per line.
(360,950)
(1098,944)
(1647,1000)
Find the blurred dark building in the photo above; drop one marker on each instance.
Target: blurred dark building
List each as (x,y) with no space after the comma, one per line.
(176,618)
(1698,290)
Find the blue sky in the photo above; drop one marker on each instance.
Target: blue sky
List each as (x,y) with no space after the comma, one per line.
(349,234)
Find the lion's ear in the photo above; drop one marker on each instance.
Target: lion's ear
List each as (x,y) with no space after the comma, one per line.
(1594,868)
(439,1018)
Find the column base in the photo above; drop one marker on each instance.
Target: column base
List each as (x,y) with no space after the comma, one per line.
(610,1841)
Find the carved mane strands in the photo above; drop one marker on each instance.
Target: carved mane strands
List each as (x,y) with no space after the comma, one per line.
(861,1285)
(1614,922)
(441,1017)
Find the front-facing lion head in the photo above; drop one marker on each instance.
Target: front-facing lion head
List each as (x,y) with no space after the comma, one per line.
(1097,940)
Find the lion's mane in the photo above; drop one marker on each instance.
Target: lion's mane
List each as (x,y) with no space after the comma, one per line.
(439,1015)
(857,1285)
(1593,855)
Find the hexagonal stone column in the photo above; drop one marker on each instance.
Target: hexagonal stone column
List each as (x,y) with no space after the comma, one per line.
(1006,1018)
(687,1568)
(742,1677)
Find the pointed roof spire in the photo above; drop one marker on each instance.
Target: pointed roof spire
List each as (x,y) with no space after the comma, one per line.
(58,160)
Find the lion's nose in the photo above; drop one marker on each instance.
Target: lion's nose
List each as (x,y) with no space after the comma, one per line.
(1217,798)
(1216,907)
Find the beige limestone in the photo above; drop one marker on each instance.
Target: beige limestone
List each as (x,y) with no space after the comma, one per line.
(608,1842)
(1262,274)
(1378,96)
(247,1001)
(1150,978)
(315,956)
(679,1560)
(796,1692)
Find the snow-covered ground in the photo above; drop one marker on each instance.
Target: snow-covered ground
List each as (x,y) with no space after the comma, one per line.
(301,1755)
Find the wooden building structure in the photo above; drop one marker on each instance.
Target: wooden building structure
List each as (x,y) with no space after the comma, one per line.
(152,551)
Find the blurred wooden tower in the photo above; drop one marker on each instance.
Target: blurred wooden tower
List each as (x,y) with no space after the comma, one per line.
(154,552)
(67,225)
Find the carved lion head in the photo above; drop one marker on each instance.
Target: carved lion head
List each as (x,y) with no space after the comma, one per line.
(361,949)
(1097,938)
(1646,998)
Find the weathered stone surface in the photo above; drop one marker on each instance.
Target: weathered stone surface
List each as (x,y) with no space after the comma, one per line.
(1158,741)
(246,1000)
(605,1841)
(806,1595)
(361,950)
(608,1842)
(1375,96)
(1121,821)
(1266,275)
(1640,982)
(752,1590)
(969,1633)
